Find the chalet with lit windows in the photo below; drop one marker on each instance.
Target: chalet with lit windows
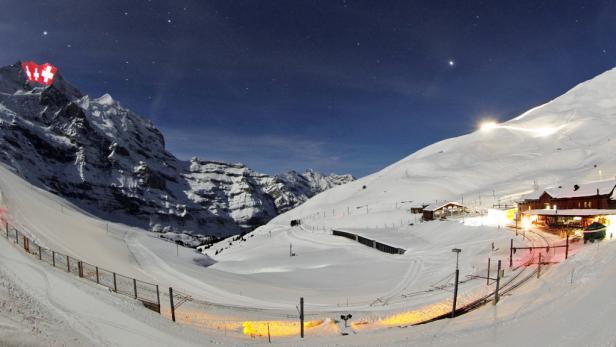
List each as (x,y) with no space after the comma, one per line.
(442,210)
(574,205)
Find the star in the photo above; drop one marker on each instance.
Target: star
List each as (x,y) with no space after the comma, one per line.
(45,33)
(451,62)
(169,20)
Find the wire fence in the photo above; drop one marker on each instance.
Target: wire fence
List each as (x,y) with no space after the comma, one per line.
(147,293)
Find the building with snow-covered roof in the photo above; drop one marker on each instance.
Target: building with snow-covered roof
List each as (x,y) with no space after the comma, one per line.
(575,205)
(417,208)
(594,195)
(442,209)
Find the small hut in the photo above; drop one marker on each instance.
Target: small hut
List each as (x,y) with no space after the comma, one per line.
(417,208)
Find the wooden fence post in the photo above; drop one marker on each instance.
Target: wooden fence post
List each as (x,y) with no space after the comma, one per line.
(68,264)
(40,253)
(135,287)
(97,280)
(80,268)
(53,258)
(158,298)
(115,285)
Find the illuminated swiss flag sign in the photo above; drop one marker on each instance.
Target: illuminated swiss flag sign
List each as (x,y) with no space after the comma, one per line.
(44,73)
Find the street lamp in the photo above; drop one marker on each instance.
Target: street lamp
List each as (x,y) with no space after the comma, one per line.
(455,288)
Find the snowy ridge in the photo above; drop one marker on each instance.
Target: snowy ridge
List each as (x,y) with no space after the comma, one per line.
(113,163)
(569,140)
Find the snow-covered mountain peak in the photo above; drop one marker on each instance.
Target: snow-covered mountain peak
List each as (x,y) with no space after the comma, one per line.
(113,163)
(105,99)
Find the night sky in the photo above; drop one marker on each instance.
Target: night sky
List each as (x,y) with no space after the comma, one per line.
(337,86)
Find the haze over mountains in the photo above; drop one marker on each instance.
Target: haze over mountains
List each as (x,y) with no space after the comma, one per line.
(113,163)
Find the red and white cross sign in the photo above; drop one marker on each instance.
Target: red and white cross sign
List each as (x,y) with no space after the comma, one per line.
(44,73)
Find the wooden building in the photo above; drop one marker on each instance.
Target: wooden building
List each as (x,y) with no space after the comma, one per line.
(418,208)
(575,206)
(442,210)
(596,195)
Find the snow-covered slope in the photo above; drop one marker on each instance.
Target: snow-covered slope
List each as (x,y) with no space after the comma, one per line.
(114,163)
(566,141)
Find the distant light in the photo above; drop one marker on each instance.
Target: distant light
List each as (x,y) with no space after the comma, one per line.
(452,63)
(45,33)
(488,125)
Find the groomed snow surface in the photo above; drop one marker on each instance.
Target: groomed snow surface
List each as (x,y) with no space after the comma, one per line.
(572,304)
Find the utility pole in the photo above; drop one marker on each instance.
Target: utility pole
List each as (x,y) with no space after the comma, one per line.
(455,288)
(511,254)
(498,276)
(301,316)
(488,276)
(539,266)
(171,302)
(567,247)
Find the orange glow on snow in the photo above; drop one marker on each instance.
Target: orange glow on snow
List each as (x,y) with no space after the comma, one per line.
(276,328)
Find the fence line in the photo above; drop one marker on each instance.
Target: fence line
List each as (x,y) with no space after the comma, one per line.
(369,242)
(147,293)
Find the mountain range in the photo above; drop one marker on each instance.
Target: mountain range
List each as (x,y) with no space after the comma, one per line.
(113,163)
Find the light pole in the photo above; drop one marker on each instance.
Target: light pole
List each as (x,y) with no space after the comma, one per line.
(455,288)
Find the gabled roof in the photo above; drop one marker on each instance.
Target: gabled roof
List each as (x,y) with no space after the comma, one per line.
(532,196)
(439,205)
(588,189)
(571,191)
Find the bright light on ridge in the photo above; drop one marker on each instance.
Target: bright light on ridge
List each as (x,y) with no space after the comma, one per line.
(488,125)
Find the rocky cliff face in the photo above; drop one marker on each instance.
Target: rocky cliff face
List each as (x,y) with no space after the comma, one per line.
(113,163)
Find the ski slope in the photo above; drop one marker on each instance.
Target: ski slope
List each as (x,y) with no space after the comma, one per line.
(258,273)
